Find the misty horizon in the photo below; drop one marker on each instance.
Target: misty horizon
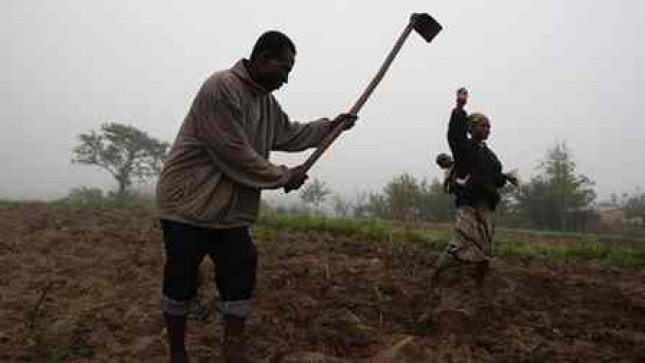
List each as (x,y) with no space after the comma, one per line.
(543,72)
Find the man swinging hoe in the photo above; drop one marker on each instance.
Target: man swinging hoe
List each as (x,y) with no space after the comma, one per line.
(208,194)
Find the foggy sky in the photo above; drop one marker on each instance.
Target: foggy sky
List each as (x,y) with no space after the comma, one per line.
(544,71)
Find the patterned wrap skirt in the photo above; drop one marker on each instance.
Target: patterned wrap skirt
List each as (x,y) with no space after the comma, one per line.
(473,236)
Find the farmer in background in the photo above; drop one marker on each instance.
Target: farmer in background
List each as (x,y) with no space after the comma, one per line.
(209,189)
(475,181)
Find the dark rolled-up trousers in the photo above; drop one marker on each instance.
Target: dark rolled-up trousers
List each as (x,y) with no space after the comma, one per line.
(233,254)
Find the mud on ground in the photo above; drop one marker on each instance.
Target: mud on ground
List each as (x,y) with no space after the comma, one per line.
(83,285)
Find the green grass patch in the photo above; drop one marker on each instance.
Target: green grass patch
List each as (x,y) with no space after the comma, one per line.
(8,203)
(602,252)
(581,248)
(370,228)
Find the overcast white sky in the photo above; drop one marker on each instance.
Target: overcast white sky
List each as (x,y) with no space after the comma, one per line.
(544,71)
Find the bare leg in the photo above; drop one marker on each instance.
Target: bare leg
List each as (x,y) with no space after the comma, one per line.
(445,261)
(176,328)
(235,347)
(480,272)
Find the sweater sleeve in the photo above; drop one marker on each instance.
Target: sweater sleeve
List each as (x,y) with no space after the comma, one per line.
(219,127)
(295,136)
(500,180)
(458,135)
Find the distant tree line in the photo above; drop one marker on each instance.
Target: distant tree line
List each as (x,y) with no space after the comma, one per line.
(557,197)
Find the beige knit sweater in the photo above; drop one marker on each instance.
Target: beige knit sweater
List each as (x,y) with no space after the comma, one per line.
(219,162)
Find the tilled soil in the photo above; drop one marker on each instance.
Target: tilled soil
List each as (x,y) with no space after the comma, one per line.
(83,285)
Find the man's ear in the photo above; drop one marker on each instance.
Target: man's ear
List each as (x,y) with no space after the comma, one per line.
(259,58)
(263,56)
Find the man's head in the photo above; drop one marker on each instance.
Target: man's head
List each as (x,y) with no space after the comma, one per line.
(272,59)
(478,126)
(462,96)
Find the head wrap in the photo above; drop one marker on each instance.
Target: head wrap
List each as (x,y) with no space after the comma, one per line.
(476,118)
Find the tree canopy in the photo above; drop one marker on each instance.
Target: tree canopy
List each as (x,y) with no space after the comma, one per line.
(126,152)
(553,198)
(315,193)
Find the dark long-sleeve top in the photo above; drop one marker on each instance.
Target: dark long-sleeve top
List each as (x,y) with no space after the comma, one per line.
(476,163)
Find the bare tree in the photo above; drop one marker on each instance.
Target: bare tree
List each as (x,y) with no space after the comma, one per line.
(315,193)
(342,207)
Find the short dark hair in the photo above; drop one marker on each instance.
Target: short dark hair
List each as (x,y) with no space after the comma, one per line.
(462,89)
(272,43)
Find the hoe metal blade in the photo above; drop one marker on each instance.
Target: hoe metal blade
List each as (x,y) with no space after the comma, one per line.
(426,26)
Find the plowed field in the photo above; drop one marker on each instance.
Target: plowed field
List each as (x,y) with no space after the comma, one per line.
(84,285)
